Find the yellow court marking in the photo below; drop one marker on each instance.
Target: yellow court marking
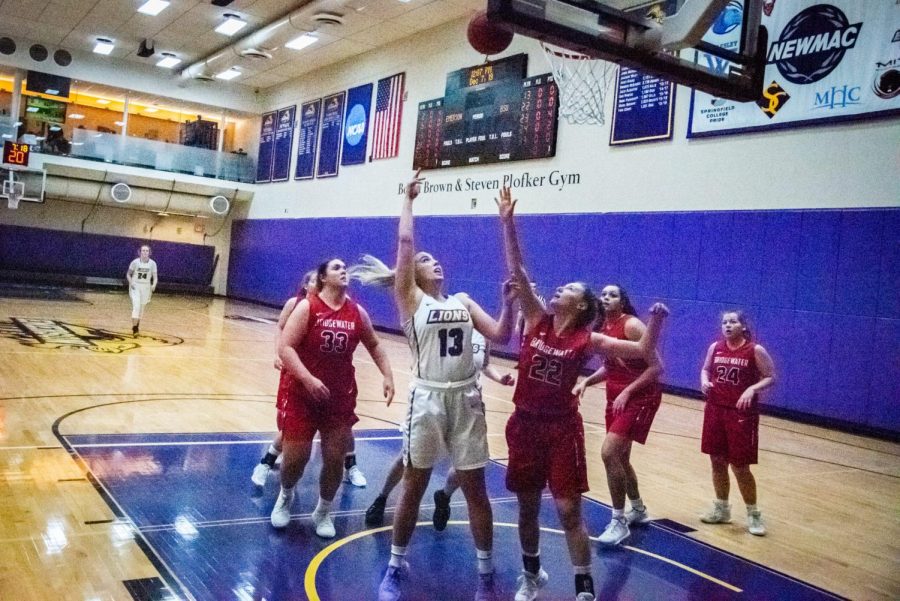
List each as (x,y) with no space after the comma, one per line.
(309,580)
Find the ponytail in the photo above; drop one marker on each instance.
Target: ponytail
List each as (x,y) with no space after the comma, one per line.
(371,271)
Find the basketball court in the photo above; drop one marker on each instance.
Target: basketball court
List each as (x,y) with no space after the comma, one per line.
(126,457)
(127,466)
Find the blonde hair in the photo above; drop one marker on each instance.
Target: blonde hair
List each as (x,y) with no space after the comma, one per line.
(371,271)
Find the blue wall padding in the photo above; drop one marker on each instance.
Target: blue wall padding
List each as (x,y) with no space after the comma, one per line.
(38,250)
(820,286)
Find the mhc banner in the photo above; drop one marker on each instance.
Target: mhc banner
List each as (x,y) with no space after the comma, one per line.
(825,62)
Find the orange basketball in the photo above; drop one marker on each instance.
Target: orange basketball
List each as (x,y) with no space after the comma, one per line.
(487,37)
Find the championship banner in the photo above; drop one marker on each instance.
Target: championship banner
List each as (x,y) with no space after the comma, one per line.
(330,135)
(356,125)
(284,139)
(825,62)
(266,148)
(306,146)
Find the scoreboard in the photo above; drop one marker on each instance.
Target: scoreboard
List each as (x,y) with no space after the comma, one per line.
(490,113)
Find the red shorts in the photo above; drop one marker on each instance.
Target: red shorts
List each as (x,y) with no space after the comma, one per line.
(635,420)
(300,417)
(731,433)
(546,449)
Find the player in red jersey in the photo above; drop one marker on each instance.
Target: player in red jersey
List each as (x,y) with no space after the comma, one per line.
(545,433)
(267,463)
(736,370)
(633,396)
(318,387)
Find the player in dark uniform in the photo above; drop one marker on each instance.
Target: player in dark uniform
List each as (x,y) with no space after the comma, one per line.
(736,370)
(318,388)
(633,396)
(545,433)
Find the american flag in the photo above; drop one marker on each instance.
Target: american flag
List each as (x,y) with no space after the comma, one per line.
(388,110)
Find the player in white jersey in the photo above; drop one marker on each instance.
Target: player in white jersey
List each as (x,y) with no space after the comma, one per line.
(142,279)
(445,407)
(481,351)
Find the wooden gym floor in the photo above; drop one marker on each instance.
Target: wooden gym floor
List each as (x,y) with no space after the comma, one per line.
(70,367)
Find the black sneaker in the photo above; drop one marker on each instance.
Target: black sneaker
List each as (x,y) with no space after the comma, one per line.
(375,512)
(134,330)
(441,510)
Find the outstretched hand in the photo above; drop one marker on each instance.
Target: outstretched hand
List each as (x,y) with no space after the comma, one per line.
(413,187)
(505,203)
(659,310)
(510,291)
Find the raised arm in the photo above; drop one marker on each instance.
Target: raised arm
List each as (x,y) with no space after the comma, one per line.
(405,289)
(293,334)
(766,368)
(378,353)
(532,308)
(644,348)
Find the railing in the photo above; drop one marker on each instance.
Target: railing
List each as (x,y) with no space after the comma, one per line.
(139,152)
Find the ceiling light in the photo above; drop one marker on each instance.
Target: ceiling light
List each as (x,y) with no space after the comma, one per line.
(229,74)
(120,123)
(151,109)
(51,92)
(299,43)
(231,25)
(55,128)
(102,101)
(168,61)
(153,7)
(32,109)
(76,116)
(104,46)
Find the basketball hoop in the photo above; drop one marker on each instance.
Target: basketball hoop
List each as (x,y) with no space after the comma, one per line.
(582,83)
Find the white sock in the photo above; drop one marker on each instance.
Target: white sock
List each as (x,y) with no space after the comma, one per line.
(582,570)
(618,514)
(638,505)
(273,451)
(752,508)
(287,493)
(323,507)
(485,561)
(723,503)
(397,555)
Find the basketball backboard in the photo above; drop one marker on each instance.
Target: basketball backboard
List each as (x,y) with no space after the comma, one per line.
(22,185)
(649,35)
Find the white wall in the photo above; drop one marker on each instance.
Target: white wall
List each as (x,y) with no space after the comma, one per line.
(851,165)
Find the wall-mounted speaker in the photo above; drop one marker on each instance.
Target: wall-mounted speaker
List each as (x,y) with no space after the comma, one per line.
(38,53)
(63,58)
(219,205)
(7,46)
(120,192)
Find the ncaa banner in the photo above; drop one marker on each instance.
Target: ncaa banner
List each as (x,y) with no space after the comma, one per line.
(826,61)
(356,125)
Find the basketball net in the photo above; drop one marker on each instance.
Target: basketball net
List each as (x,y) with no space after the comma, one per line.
(582,83)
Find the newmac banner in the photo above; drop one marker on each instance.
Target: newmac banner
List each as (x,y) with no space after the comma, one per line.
(826,62)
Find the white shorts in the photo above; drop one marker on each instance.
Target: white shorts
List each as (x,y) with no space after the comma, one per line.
(445,417)
(140,296)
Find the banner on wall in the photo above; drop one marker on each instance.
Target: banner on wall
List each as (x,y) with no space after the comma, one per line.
(266,148)
(330,135)
(643,108)
(356,125)
(308,137)
(284,140)
(826,62)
